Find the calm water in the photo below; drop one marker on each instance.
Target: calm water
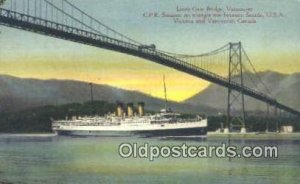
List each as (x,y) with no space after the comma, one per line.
(96,160)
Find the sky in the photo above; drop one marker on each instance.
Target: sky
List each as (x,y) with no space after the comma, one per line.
(271,43)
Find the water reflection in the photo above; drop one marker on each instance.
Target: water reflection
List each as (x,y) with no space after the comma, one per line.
(95,160)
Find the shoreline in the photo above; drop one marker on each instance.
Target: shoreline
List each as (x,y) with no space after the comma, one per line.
(210,135)
(254,135)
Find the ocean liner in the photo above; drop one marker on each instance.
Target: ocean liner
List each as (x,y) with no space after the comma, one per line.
(127,122)
(164,124)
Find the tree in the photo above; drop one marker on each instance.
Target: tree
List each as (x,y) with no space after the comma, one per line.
(2,2)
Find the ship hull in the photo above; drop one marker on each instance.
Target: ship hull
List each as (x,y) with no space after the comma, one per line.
(182,132)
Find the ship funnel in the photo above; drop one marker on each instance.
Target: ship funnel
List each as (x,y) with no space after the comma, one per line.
(130,109)
(141,106)
(119,109)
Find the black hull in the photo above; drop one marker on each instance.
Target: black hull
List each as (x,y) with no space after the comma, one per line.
(184,132)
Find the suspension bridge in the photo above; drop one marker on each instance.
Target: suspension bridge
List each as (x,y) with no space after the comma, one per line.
(62,19)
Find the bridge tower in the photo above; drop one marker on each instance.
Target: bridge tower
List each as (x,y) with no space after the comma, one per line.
(235,98)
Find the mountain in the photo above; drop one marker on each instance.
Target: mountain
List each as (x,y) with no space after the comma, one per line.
(19,94)
(285,88)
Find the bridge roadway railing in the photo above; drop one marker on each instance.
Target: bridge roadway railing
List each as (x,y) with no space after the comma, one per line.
(42,26)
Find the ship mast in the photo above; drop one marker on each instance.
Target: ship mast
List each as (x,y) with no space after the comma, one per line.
(92,94)
(165,90)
